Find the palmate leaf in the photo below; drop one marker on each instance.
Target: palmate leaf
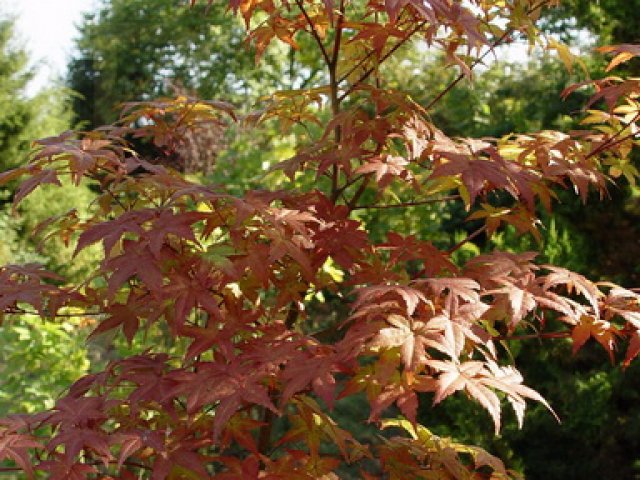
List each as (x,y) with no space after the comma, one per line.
(313,425)
(412,337)
(16,447)
(46,176)
(64,470)
(409,296)
(27,284)
(230,386)
(478,380)
(444,453)
(600,330)
(622,53)
(573,281)
(633,349)
(468,377)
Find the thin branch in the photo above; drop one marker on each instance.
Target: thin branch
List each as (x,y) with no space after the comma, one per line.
(534,335)
(473,235)
(370,70)
(610,143)
(128,463)
(351,182)
(307,81)
(495,44)
(264,434)
(292,315)
(477,61)
(335,100)
(408,204)
(314,32)
(338,40)
(20,311)
(352,204)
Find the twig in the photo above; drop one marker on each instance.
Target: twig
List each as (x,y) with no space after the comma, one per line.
(495,44)
(478,60)
(370,70)
(314,32)
(609,143)
(409,204)
(20,311)
(352,204)
(468,239)
(534,335)
(332,64)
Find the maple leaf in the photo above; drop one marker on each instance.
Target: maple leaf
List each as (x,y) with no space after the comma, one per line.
(633,349)
(412,336)
(459,289)
(182,456)
(508,380)
(376,35)
(125,315)
(409,248)
(393,8)
(385,169)
(313,368)
(573,281)
(76,440)
(467,376)
(453,334)
(148,373)
(495,268)
(136,260)
(602,331)
(516,299)
(129,444)
(410,296)
(247,468)
(239,429)
(417,133)
(314,426)
(42,177)
(403,396)
(229,385)
(476,174)
(70,412)
(193,288)
(16,446)
(168,223)
(342,240)
(9,175)
(26,284)
(623,53)
(521,218)
(623,302)
(65,470)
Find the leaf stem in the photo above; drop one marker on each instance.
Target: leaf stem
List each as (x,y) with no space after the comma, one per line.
(478,60)
(314,32)
(473,235)
(534,335)
(408,204)
(370,70)
(610,143)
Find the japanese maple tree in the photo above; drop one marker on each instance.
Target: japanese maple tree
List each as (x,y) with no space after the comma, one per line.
(235,278)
